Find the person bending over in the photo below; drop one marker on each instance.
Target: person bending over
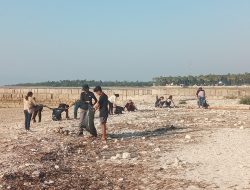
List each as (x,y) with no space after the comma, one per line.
(86,100)
(102,105)
(112,103)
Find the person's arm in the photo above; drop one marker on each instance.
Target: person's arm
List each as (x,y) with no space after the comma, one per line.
(81,97)
(173,102)
(95,99)
(97,104)
(126,107)
(32,101)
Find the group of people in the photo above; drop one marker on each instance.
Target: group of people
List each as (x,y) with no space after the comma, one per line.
(162,103)
(104,104)
(114,108)
(87,100)
(169,103)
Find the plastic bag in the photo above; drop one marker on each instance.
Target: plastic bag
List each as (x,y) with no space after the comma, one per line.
(89,121)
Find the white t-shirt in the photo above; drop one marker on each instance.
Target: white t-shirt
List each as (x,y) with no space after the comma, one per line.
(112,99)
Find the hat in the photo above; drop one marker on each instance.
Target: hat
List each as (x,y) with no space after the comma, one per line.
(85,87)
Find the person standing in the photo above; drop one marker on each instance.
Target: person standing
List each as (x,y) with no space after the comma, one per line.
(102,105)
(112,103)
(29,104)
(86,100)
(201,97)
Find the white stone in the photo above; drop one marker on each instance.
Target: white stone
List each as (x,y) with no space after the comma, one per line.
(187,137)
(157,150)
(126,155)
(36,174)
(49,182)
(105,147)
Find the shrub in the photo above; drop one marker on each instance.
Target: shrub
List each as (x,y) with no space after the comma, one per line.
(230,97)
(182,102)
(245,100)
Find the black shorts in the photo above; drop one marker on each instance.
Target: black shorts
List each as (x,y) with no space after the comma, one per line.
(103,120)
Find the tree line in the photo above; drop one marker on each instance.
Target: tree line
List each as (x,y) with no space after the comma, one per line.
(201,80)
(205,80)
(79,83)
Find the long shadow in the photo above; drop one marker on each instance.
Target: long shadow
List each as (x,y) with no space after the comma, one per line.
(167,130)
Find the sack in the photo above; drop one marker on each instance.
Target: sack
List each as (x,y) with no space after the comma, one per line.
(205,104)
(57,114)
(89,121)
(118,110)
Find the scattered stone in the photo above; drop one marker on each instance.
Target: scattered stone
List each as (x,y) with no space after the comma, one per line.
(157,150)
(121,180)
(105,147)
(57,167)
(177,162)
(113,158)
(242,127)
(50,182)
(36,174)
(188,137)
(126,155)
(66,132)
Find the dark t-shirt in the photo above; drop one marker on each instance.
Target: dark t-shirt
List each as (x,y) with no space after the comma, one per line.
(86,100)
(103,102)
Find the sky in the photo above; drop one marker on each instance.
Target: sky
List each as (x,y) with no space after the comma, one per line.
(122,40)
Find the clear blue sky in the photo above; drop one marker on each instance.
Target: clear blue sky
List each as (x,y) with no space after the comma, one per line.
(122,40)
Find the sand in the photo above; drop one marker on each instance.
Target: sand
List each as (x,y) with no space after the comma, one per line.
(182,148)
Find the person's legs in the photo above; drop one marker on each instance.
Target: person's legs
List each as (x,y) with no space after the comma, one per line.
(104,131)
(202,101)
(67,113)
(82,116)
(27,119)
(111,107)
(34,116)
(40,114)
(76,107)
(103,124)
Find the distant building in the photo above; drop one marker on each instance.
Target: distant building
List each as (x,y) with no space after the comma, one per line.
(220,83)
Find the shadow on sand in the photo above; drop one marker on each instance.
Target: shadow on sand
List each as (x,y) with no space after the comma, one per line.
(167,130)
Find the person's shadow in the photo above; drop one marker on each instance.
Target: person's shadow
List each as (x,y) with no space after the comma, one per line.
(167,130)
